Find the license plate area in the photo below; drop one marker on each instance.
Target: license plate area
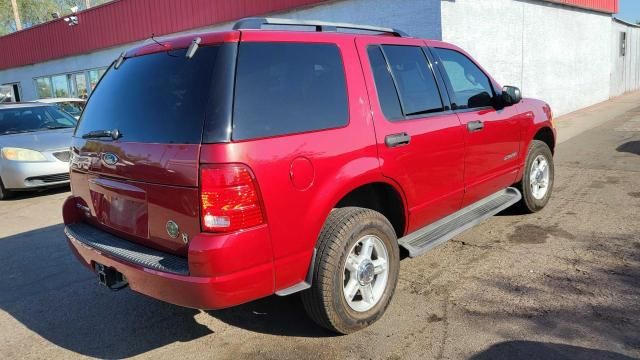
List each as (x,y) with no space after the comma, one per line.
(110,277)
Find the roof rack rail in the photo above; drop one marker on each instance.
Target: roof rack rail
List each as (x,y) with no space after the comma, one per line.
(256,23)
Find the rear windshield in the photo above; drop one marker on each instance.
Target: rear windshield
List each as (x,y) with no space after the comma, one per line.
(156,98)
(30,119)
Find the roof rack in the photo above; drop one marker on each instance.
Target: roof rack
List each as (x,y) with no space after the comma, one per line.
(256,23)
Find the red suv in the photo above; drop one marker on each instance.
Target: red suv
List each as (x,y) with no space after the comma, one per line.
(214,169)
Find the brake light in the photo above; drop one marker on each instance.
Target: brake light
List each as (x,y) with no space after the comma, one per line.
(229,198)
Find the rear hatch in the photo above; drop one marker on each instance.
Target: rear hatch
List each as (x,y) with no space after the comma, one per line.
(136,149)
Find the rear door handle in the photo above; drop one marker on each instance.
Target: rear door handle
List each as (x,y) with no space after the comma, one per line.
(400,139)
(473,126)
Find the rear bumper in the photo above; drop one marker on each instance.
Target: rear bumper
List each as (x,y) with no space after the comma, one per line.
(172,284)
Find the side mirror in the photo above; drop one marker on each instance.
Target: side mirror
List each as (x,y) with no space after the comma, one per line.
(511,95)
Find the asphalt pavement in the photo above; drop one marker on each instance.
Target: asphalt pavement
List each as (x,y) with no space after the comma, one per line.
(560,284)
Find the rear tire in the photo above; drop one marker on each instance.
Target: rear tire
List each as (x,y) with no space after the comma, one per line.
(536,185)
(357,254)
(4,193)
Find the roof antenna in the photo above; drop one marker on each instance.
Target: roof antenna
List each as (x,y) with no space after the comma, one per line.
(193,48)
(156,41)
(161,44)
(119,61)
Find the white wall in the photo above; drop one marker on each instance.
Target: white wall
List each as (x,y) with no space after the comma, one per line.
(625,70)
(552,52)
(419,18)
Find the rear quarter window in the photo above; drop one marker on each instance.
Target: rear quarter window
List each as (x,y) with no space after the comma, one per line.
(288,88)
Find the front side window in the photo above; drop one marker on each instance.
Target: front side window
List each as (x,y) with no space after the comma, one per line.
(288,88)
(471,87)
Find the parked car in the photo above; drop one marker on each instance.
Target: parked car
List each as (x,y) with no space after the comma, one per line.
(252,162)
(73,106)
(34,147)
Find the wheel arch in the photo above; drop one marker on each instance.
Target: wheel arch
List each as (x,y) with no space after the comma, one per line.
(380,196)
(546,135)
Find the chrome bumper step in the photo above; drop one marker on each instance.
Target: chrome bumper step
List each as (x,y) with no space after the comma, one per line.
(427,238)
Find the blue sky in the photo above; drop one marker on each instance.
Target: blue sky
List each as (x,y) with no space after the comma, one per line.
(629,10)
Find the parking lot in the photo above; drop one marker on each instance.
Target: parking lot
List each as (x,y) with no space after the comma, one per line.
(563,283)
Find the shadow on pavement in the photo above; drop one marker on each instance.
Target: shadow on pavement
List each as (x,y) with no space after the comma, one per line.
(49,292)
(631,147)
(21,195)
(532,350)
(273,315)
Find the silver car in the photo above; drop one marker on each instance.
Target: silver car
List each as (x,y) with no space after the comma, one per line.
(34,147)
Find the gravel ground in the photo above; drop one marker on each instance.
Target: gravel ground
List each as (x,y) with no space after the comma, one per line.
(563,283)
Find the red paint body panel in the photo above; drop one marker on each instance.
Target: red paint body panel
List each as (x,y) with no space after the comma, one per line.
(430,169)
(487,165)
(151,184)
(300,179)
(125,21)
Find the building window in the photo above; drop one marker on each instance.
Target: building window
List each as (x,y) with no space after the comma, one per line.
(94,77)
(60,86)
(43,87)
(78,84)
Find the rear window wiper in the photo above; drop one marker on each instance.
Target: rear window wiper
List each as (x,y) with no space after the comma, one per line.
(96,134)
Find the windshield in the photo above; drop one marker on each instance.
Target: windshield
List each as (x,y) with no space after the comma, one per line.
(72,107)
(37,118)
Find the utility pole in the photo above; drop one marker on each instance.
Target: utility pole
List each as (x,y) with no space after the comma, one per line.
(16,15)
(87,4)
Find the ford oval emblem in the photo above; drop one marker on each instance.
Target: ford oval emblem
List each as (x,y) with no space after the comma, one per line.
(110,158)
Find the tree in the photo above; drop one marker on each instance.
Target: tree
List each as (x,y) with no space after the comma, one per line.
(33,12)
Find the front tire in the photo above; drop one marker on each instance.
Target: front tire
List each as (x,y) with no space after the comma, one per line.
(356,270)
(537,181)
(4,193)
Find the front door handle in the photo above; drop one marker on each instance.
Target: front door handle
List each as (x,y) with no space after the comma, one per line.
(400,139)
(474,126)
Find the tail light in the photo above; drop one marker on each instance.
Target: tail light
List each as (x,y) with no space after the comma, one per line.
(229,198)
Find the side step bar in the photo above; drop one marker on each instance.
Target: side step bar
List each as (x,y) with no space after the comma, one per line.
(430,236)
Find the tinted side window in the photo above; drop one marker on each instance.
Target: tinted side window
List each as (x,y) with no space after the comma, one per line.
(287,88)
(414,79)
(386,90)
(471,87)
(155,98)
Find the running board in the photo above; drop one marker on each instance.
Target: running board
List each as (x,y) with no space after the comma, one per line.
(445,229)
